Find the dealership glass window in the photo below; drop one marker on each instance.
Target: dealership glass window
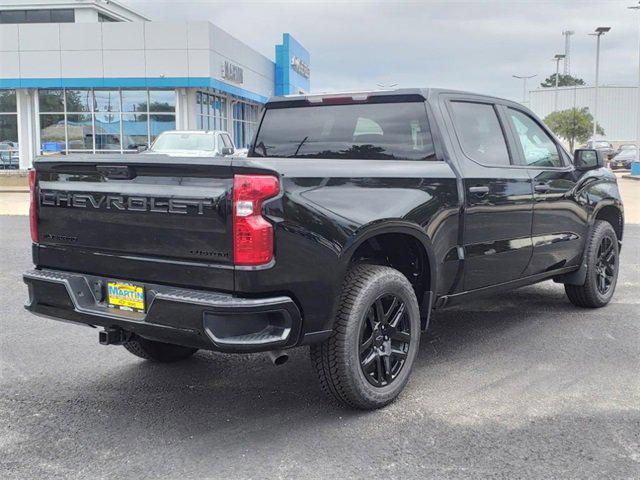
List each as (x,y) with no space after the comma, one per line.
(107,131)
(159,123)
(79,132)
(51,100)
(40,15)
(106,100)
(245,120)
(105,18)
(162,101)
(78,100)
(52,132)
(96,120)
(8,130)
(134,100)
(63,15)
(135,130)
(212,110)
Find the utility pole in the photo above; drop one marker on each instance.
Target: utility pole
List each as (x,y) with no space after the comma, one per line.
(567,51)
(637,7)
(557,59)
(598,33)
(524,78)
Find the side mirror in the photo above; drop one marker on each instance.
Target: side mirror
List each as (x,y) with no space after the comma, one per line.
(142,148)
(588,159)
(227,151)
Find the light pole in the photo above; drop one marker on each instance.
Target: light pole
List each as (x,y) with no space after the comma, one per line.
(637,7)
(598,33)
(557,59)
(524,79)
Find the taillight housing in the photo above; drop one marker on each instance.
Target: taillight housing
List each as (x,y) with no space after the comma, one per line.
(252,233)
(33,206)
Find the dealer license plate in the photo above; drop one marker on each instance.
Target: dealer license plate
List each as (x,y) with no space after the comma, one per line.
(125,296)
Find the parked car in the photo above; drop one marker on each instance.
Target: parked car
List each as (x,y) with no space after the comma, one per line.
(353,218)
(9,156)
(194,143)
(625,146)
(605,147)
(624,159)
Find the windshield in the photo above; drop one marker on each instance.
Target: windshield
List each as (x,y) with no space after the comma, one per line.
(368,131)
(183,141)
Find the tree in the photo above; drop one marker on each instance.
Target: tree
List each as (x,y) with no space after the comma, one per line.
(563,81)
(574,125)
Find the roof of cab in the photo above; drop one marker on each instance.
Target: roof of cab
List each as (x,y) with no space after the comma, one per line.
(425,93)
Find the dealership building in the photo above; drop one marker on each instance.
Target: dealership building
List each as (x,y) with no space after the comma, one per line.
(94,76)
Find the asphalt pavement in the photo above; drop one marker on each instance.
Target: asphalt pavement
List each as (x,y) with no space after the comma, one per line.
(520,385)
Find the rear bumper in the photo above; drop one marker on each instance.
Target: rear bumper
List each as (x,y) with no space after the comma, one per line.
(194,318)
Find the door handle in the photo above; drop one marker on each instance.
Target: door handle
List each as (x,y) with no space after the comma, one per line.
(542,188)
(479,190)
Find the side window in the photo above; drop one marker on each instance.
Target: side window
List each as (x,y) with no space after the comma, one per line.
(480,133)
(537,147)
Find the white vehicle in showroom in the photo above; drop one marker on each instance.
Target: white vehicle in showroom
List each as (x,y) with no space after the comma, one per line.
(193,143)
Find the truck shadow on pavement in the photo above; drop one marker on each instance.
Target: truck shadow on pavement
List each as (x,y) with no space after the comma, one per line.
(213,386)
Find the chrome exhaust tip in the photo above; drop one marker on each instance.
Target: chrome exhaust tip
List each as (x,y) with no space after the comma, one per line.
(278,357)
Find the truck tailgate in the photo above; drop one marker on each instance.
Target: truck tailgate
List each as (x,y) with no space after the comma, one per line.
(144,214)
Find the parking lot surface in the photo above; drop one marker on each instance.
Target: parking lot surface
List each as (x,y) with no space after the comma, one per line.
(520,385)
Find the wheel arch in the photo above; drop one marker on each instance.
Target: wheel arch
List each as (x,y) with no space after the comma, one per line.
(612,212)
(400,231)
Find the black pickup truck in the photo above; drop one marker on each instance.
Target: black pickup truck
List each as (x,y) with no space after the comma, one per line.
(352,219)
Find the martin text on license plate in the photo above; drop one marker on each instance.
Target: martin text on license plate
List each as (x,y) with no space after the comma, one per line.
(126,296)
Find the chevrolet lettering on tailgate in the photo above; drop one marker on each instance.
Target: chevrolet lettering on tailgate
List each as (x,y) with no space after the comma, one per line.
(54,198)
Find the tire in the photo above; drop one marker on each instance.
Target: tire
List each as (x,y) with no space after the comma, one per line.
(157,351)
(592,294)
(385,349)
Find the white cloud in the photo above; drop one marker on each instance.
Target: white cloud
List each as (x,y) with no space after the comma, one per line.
(470,45)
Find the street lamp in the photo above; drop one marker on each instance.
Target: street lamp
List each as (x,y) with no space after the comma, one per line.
(637,7)
(598,33)
(557,59)
(524,85)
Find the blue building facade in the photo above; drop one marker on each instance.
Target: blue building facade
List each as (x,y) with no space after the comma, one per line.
(292,67)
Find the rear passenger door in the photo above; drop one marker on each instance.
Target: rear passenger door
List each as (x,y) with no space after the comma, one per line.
(559,222)
(498,195)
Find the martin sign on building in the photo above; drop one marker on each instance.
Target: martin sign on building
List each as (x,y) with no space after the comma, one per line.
(232,72)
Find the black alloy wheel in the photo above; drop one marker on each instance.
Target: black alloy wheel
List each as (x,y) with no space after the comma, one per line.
(367,360)
(606,265)
(385,337)
(602,264)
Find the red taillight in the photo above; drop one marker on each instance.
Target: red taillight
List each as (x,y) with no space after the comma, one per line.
(252,234)
(33,207)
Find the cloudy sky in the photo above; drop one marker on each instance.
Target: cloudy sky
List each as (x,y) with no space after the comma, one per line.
(470,45)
